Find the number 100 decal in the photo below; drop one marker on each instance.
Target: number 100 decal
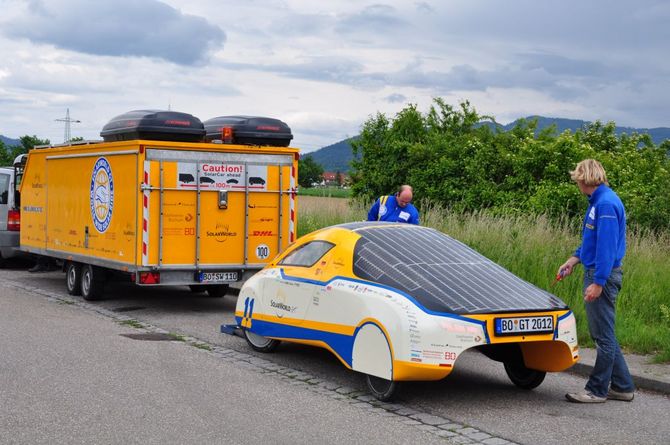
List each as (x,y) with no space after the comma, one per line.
(262,251)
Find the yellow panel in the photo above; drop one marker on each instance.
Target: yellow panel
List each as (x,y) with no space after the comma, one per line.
(33,202)
(80,186)
(221,230)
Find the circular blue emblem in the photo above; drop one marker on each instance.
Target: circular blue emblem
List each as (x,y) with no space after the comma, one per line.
(102,194)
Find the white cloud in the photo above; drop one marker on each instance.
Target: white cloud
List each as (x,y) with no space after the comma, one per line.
(324,67)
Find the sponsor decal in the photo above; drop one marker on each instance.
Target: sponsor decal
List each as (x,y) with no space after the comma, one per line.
(32,209)
(221,234)
(414,359)
(262,233)
(590,226)
(255,206)
(102,194)
(450,356)
(188,217)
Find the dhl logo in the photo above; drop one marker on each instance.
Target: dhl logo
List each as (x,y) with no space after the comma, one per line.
(262,233)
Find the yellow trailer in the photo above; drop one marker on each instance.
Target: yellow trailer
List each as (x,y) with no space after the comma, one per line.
(162,213)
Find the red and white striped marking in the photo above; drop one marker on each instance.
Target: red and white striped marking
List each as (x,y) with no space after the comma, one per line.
(145,214)
(291,223)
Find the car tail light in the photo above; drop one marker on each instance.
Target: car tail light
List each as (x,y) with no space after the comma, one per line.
(150,277)
(14,220)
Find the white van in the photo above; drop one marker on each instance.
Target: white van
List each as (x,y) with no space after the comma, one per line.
(10,222)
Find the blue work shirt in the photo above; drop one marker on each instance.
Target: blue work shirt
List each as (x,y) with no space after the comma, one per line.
(604,234)
(392,212)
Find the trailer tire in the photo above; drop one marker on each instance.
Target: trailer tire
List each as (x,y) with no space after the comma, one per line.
(92,282)
(217,290)
(73,278)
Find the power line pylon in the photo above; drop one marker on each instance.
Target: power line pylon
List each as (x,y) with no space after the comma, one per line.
(67,121)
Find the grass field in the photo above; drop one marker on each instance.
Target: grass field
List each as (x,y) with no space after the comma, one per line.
(326,192)
(533,248)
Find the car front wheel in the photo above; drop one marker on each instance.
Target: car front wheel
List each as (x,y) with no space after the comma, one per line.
(260,343)
(382,389)
(524,377)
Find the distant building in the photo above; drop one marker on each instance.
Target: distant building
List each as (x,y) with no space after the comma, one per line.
(335,179)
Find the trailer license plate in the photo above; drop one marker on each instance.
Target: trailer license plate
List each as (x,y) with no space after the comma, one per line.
(524,325)
(217,277)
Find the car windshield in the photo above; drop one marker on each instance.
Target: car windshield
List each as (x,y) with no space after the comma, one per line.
(307,255)
(441,273)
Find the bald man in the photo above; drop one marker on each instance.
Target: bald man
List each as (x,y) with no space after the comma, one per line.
(395,208)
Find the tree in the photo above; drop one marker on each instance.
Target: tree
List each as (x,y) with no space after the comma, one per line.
(8,154)
(451,159)
(309,171)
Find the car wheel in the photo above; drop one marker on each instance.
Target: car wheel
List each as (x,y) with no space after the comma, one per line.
(382,389)
(196,288)
(260,343)
(217,290)
(73,278)
(524,377)
(92,282)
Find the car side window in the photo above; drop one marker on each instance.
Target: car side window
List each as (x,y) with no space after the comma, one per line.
(4,188)
(307,255)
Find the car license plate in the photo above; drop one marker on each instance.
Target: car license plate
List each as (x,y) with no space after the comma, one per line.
(217,277)
(524,325)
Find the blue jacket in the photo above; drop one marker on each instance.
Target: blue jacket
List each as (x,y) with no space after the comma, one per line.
(392,212)
(604,234)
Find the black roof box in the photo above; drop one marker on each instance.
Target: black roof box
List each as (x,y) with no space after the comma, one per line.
(249,130)
(154,125)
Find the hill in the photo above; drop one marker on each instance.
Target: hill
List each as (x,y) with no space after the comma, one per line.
(337,157)
(658,135)
(9,142)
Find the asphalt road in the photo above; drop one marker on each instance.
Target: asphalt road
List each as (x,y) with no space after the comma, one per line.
(66,363)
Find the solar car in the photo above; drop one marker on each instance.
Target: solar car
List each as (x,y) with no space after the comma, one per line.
(399,302)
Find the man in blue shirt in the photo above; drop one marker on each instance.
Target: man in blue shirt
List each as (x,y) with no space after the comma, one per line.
(395,208)
(602,249)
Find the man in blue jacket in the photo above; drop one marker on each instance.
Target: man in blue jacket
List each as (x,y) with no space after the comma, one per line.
(395,208)
(602,249)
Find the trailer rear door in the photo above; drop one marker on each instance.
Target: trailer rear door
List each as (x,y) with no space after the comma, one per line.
(215,212)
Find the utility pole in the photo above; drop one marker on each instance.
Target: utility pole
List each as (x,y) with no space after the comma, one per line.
(67,121)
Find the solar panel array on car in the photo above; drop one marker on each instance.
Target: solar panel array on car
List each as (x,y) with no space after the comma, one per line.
(441,273)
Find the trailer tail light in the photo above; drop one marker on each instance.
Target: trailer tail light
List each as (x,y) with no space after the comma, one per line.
(13,220)
(150,277)
(227,135)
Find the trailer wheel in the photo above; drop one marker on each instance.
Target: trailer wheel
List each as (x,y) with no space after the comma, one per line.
(92,282)
(217,290)
(73,278)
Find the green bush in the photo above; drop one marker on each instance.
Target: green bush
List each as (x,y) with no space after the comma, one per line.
(452,157)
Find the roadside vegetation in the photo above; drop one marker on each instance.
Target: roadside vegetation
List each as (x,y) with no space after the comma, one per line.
(533,247)
(325,192)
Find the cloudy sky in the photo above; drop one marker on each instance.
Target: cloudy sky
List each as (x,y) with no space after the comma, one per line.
(324,66)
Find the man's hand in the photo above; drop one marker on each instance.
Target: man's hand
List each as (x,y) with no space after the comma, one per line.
(566,268)
(592,292)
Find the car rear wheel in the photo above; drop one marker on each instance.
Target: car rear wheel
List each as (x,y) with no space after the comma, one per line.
(92,282)
(523,377)
(73,278)
(217,290)
(260,343)
(382,389)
